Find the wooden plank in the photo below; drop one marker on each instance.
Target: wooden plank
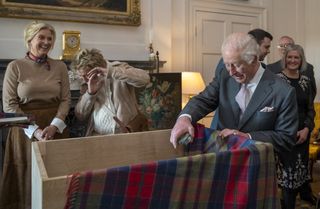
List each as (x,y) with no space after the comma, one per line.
(37,169)
(64,157)
(54,193)
(53,161)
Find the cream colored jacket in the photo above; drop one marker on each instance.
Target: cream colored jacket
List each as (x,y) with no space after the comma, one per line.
(123,79)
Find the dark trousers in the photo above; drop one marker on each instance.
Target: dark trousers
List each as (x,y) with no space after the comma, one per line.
(288,198)
(289,195)
(305,191)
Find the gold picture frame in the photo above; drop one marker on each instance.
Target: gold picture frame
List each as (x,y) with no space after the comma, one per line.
(116,12)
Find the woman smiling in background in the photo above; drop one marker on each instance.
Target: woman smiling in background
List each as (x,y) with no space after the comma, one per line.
(36,85)
(293,172)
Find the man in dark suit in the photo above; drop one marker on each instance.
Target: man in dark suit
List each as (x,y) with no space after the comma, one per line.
(270,115)
(276,67)
(263,39)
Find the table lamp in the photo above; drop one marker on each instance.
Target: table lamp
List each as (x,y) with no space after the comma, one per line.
(192,84)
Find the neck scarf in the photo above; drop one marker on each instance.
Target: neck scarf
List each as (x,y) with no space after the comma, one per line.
(39,60)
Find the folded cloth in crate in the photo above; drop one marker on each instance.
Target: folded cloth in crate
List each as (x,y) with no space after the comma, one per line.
(241,174)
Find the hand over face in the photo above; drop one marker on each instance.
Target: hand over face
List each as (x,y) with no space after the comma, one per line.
(95,78)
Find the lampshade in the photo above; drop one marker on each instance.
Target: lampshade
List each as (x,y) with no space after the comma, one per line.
(192,83)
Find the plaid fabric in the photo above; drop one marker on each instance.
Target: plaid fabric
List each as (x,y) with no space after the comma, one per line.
(236,174)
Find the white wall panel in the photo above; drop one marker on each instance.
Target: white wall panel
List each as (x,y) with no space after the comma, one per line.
(312,45)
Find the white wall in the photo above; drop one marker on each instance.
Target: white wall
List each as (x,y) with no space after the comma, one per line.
(312,45)
(162,30)
(285,17)
(116,42)
(299,19)
(296,18)
(179,35)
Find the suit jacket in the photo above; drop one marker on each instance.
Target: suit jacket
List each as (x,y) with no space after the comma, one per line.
(219,68)
(276,68)
(278,127)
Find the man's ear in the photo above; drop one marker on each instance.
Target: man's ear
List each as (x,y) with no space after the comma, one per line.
(255,60)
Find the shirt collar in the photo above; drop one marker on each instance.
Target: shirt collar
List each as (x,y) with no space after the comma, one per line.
(256,78)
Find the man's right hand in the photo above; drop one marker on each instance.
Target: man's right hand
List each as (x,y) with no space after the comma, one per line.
(183,125)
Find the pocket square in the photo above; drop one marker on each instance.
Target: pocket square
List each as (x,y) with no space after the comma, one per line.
(267,109)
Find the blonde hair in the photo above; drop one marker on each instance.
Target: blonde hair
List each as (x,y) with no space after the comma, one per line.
(88,58)
(33,28)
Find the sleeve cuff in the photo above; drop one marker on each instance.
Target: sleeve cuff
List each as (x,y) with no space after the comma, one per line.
(89,96)
(30,130)
(186,115)
(57,122)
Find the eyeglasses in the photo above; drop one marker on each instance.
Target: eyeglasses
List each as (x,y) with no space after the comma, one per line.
(283,46)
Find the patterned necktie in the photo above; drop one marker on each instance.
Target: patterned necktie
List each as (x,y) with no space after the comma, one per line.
(243,97)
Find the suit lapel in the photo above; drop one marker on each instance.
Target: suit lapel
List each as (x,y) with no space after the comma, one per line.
(235,107)
(262,91)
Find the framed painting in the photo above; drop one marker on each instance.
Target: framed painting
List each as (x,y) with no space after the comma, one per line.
(118,12)
(160,101)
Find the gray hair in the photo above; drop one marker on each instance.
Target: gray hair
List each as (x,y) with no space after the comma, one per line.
(299,49)
(33,28)
(88,58)
(243,43)
(287,37)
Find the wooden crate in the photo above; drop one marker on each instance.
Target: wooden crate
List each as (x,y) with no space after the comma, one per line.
(53,161)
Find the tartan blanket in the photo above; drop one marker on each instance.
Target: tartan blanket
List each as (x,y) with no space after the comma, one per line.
(235,173)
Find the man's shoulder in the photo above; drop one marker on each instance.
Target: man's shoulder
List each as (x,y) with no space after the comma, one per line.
(275,67)
(309,68)
(308,71)
(219,68)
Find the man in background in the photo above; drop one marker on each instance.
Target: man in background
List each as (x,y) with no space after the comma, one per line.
(263,39)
